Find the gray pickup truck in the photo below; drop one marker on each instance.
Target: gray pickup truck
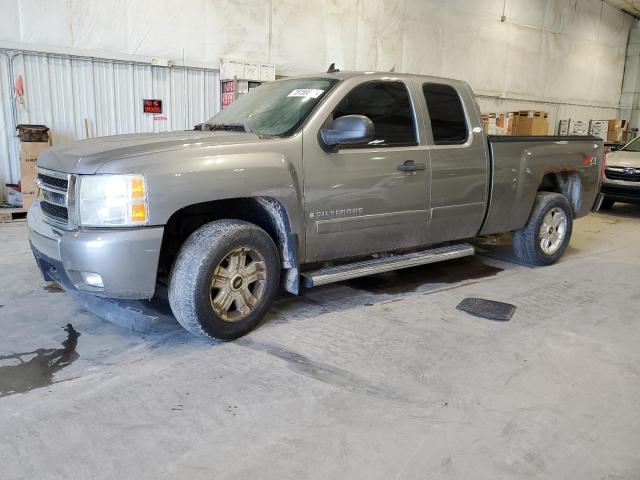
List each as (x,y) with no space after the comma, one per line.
(302,181)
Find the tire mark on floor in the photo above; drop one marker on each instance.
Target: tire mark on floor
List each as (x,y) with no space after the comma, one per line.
(325,373)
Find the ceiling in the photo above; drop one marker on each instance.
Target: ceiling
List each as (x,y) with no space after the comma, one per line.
(632,7)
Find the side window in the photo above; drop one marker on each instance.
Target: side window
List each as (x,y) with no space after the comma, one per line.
(388,106)
(448,124)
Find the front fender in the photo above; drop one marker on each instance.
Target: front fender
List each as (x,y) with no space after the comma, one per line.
(178,179)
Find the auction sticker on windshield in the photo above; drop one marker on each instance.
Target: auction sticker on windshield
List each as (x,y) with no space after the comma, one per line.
(306,92)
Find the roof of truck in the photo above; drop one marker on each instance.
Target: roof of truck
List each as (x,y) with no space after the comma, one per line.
(391,75)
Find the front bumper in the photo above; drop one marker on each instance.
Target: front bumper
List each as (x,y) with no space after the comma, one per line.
(126,259)
(621,191)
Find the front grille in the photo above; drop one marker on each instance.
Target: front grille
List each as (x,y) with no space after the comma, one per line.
(55,211)
(620,191)
(618,174)
(59,183)
(54,189)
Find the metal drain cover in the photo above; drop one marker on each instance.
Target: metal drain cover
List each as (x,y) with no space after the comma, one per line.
(480,307)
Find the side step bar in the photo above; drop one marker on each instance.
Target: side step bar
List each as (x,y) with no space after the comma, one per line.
(379,265)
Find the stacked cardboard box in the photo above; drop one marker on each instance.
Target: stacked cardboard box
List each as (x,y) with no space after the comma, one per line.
(599,128)
(505,123)
(531,122)
(34,139)
(498,123)
(578,127)
(563,127)
(617,130)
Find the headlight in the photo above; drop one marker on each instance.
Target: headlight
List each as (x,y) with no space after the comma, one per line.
(113,200)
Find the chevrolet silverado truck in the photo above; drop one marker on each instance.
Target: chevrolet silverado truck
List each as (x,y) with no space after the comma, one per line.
(302,182)
(622,175)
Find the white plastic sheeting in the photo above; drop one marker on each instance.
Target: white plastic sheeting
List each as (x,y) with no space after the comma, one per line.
(563,56)
(569,50)
(62,92)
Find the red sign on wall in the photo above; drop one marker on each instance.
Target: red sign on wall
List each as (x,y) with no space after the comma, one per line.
(151,106)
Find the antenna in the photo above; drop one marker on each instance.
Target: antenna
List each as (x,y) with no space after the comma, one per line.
(333,69)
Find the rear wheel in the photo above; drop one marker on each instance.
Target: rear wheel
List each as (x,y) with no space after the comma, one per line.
(224,279)
(545,237)
(607,203)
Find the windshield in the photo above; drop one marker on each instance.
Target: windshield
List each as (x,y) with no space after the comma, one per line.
(276,108)
(632,146)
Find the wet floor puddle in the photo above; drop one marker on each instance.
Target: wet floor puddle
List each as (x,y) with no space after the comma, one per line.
(410,279)
(22,372)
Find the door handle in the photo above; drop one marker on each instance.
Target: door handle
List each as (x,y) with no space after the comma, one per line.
(411,166)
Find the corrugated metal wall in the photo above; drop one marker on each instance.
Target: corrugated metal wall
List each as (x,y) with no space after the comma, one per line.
(8,168)
(62,91)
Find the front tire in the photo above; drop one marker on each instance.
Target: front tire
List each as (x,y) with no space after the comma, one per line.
(224,279)
(545,237)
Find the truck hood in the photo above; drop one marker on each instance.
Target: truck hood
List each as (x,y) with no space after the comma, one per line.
(87,156)
(623,159)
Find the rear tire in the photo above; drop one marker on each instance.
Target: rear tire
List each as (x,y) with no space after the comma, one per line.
(224,279)
(545,237)
(607,203)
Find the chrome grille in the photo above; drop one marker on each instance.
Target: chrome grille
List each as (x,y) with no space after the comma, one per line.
(53,210)
(60,183)
(54,194)
(625,174)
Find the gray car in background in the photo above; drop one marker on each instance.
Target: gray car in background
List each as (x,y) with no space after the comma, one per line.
(622,175)
(302,181)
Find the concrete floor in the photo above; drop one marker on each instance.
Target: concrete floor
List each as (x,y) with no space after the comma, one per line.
(380,378)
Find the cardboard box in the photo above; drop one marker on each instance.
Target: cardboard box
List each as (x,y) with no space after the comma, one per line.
(617,124)
(578,127)
(29,191)
(231,68)
(251,71)
(563,127)
(29,152)
(505,122)
(267,72)
(618,135)
(489,123)
(531,122)
(599,128)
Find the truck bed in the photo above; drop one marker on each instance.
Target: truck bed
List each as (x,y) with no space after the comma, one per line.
(518,164)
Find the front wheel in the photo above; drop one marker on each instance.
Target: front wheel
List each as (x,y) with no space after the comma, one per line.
(225,279)
(545,237)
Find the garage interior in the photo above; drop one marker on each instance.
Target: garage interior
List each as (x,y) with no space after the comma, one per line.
(379,376)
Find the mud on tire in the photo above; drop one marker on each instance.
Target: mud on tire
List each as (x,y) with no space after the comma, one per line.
(546,222)
(224,279)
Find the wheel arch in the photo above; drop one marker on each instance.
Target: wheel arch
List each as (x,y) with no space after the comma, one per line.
(567,183)
(266,212)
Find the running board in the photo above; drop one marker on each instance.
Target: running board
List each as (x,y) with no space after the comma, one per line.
(379,265)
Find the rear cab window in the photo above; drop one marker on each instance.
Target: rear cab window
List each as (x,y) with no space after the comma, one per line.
(446,112)
(388,105)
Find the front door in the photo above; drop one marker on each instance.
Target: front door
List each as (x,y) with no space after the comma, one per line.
(362,199)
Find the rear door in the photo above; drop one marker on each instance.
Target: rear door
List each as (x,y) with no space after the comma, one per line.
(358,200)
(459,162)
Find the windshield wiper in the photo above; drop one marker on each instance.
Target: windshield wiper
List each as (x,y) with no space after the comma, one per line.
(228,127)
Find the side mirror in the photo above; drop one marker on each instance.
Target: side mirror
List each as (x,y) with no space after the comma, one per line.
(349,130)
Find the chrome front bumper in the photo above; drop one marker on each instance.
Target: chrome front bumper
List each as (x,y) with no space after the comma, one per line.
(126,259)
